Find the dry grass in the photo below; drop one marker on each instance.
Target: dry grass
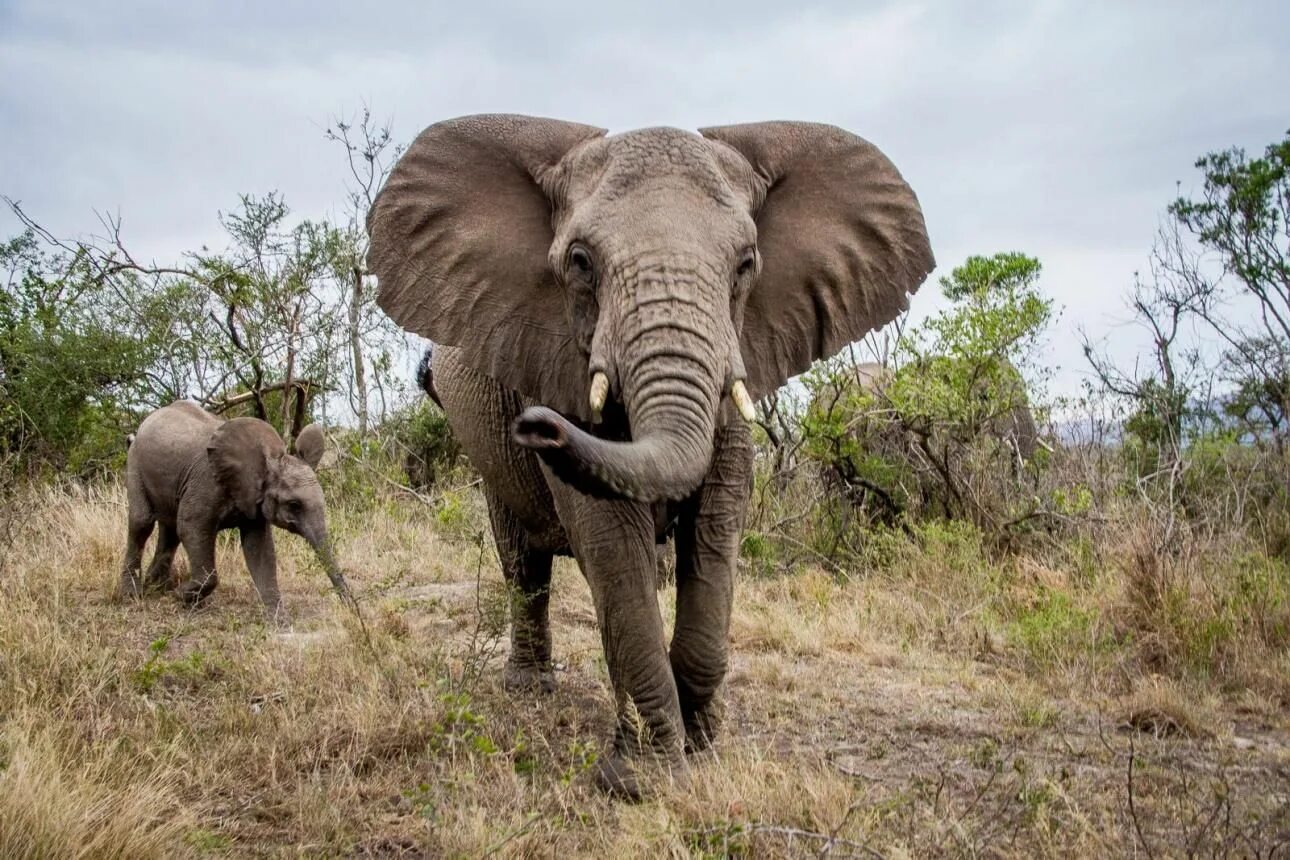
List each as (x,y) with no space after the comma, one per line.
(939,703)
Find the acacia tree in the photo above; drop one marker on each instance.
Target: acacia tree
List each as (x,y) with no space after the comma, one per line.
(71,365)
(1162,393)
(948,426)
(272,294)
(370,154)
(281,315)
(1221,267)
(1241,221)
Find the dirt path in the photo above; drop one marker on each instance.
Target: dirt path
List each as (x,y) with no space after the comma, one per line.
(943,754)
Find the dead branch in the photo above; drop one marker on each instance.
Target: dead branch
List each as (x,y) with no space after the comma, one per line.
(302,387)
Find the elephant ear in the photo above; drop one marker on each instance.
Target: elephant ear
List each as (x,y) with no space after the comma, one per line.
(459,241)
(310,444)
(240,451)
(842,242)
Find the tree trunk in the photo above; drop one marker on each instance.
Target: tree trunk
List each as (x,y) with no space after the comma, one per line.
(356,349)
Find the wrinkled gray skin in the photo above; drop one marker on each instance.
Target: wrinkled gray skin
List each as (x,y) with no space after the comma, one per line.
(666,561)
(535,253)
(193,474)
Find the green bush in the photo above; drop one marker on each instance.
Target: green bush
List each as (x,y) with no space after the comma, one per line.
(71,369)
(428,447)
(948,430)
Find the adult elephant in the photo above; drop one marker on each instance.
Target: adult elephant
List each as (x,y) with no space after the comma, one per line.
(943,435)
(1009,417)
(606,307)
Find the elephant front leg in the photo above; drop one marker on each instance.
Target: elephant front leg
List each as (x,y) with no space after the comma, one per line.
(614,544)
(528,580)
(707,552)
(261,560)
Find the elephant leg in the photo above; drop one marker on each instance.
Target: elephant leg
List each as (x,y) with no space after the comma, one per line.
(163,556)
(262,561)
(200,546)
(613,541)
(707,551)
(138,530)
(528,579)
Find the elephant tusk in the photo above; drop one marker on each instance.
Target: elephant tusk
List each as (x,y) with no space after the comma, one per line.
(743,400)
(599,391)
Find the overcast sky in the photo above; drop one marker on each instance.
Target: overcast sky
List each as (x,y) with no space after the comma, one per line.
(1054,128)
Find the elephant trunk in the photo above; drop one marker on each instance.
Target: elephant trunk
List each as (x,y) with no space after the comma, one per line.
(327,558)
(672,380)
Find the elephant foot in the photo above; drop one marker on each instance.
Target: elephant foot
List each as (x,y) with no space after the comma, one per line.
(528,678)
(129,589)
(617,777)
(634,778)
(701,726)
(194,592)
(277,619)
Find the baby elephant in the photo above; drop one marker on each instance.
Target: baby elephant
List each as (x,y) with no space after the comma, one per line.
(195,474)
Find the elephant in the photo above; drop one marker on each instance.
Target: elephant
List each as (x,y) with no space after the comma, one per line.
(1014,425)
(605,310)
(195,474)
(890,458)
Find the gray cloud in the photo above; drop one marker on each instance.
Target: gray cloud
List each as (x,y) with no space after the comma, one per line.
(1054,128)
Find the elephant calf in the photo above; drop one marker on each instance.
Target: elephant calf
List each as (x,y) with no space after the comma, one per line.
(195,474)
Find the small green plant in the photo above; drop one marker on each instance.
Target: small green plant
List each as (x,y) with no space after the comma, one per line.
(460,729)
(1038,715)
(208,841)
(722,839)
(189,670)
(451,512)
(1054,629)
(523,759)
(424,801)
(147,675)
(583,757)
(1036,797)
(758,550)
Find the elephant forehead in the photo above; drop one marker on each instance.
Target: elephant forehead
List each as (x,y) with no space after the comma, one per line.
(651,157)
(296,477)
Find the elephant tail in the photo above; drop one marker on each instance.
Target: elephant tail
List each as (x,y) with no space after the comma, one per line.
(425,376)
(129,440)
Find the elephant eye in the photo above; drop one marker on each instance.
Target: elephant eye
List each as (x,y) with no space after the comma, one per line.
(580,261)
(747,263)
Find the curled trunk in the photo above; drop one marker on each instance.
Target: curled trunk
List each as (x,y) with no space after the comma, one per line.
(653,468)
(671,392)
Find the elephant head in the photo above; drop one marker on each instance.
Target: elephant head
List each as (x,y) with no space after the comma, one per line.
(654,273)
(265,482)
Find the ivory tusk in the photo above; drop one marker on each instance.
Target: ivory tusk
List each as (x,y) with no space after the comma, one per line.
(599,391)
(742,400)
